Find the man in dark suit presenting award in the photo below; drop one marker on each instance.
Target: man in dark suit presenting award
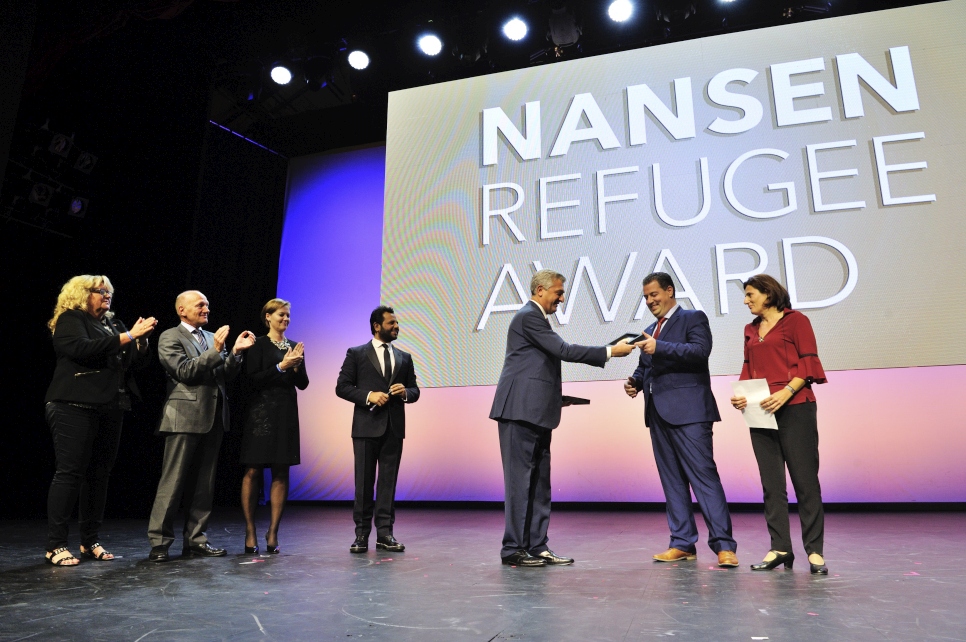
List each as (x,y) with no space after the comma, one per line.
(680,411)
(194,419)
(527,406)
(379,379)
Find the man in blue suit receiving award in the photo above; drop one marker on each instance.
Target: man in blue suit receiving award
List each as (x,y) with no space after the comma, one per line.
(527,406)
(680,410)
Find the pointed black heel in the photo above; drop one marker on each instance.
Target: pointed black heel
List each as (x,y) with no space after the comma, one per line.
(251,550)
(788,559)
(269,548)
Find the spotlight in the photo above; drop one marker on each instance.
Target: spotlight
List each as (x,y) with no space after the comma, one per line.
(430,45)
(358,59)
(85,162)
(60,145)
(281,74)
(515,29)
(78,207)
(40,194)
(620,10)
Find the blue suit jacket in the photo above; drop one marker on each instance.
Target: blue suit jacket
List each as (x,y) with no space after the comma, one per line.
(676,377)
(530,386)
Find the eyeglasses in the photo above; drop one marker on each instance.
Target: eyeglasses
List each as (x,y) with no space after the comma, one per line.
(102,292)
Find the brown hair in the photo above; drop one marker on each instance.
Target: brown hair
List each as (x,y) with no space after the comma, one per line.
(271,307)
(775,293)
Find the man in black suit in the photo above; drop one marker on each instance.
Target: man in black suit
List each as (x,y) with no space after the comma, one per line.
(379,379)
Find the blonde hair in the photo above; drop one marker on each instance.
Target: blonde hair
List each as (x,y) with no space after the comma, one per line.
(271,307)
(75,294)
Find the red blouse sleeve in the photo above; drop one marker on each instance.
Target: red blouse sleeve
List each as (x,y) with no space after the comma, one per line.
(803,337)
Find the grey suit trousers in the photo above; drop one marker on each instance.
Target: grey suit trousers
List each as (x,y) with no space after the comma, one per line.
(188,481)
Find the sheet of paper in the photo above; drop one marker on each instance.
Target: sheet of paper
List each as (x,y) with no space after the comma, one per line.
(755,391)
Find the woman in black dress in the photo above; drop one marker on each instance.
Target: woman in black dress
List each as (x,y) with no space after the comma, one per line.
(275,367)
(85,403)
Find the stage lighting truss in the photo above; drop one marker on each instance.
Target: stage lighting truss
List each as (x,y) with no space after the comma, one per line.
(358,59)
(620,10)
(429,44)
(281,74)
(515,29)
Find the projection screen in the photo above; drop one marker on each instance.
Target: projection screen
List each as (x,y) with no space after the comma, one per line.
(824,153)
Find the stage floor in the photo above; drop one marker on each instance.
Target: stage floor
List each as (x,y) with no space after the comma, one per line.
(893,576)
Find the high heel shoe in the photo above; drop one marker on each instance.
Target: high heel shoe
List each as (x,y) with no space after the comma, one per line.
(788,559)
(271,549)
(817,569)
(251,550)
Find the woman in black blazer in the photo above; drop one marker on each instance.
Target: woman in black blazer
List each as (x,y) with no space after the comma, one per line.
(85,404)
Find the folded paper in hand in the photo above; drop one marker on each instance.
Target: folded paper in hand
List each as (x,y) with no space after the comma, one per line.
(755,391)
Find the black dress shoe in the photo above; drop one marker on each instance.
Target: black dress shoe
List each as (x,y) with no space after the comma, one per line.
(203,550)
(389,543)
(523,558)
(780,558)
(553,558)
(158,554)
(360,545)
(817,569)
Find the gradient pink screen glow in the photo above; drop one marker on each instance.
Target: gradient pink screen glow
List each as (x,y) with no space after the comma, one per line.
(893,435)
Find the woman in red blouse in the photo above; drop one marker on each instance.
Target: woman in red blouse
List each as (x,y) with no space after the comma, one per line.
(780,348)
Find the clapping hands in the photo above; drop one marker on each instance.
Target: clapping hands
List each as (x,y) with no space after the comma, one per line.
(293,357)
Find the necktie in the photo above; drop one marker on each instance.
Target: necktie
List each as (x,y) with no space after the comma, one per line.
(201,339)
(657,330)
(386,363)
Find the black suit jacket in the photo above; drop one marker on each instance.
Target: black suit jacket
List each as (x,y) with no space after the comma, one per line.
(91,365)
(361,375)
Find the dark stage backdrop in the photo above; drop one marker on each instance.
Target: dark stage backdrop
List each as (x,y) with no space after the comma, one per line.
(175,203)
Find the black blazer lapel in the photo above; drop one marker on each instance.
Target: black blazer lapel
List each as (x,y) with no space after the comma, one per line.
(397,357)
(373,359)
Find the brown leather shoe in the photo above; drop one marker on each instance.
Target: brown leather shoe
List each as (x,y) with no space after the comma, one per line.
(727,558)
(675,555)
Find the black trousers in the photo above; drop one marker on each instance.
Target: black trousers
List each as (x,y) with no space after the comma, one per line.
(85,447)
(525,451)
(384,453)
(795,445)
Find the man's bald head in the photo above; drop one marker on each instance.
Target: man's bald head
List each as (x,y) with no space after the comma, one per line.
(192,307)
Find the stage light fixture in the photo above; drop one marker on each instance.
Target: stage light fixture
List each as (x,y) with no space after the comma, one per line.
(281,74)
(430,44)
(620,10)
(564,30)
(358,60)
(77,207)
(515,29)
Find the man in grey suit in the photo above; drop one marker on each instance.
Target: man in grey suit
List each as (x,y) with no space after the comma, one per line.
(527,406)
(194,418)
